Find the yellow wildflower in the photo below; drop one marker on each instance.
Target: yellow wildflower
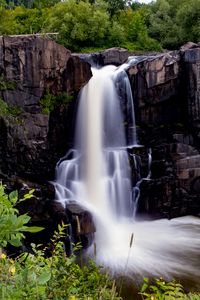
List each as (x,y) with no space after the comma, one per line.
(73,297)
(12,270)
(3,256)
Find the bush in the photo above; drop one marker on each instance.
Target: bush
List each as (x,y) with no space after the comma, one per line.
(12,226)
(9,110)
(35,276)
(162,290)
(50,101)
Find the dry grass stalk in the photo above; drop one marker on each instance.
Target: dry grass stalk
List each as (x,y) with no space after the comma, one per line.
(78,225)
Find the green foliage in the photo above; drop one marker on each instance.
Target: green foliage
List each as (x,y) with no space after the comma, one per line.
(115,5)
(21,20)
(9,110)
(175,22)
(162,290)
(6,84)
(35,276)
(188,20)
(2,3)
(12,225)
(80,24)
(7,24)
(50,101)
(31,3)
(136,32)
(89,24)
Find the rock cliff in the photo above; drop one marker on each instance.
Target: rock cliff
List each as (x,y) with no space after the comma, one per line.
(166,97)
(31,67)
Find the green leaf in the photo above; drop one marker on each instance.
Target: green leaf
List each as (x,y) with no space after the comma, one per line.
(44,277)
(15,242)
(33,229)
(13,196)
(144,287)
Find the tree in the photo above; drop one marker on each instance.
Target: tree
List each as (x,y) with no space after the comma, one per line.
(7,24)
(2,3)
(162,25)
(80,24)
(135,29)
(29,20)
(188,19)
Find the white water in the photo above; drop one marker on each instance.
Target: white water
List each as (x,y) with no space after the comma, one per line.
(96,174)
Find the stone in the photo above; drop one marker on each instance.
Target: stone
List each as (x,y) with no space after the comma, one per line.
(114,56)
(187,46)
(155,83)
(192,55)
(32,143)
(83,219)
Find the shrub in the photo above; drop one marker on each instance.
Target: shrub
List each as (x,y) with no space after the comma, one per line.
(50,101)
(162,290)
(12,226)
(8,110)
(6,84)
(35,276)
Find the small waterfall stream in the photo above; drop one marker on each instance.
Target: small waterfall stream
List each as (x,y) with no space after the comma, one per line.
(97,174)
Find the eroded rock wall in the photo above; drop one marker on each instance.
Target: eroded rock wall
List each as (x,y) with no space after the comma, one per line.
(166,97)
(32,142)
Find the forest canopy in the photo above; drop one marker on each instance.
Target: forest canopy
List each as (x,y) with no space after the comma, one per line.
(89,25)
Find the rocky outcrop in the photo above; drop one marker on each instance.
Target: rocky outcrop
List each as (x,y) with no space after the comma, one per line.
(30,66)
(33,139)
(191,58)
(166,99)
(111,56)
(35,64)
(155,82)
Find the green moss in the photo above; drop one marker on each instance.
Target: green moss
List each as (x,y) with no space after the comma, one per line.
(50,101)
(8,110)
(6,84)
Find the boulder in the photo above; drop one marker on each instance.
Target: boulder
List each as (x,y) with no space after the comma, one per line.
(187,46)
(82,224)
(114,56)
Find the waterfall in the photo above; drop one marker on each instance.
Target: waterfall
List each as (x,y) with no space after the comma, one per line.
(96,174)
(98,171)
(136,188)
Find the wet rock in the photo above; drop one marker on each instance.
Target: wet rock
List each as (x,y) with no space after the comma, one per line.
(155,86)
(114,56)
(82,224)
(187,46)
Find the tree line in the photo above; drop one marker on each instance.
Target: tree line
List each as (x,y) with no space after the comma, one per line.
(89,25)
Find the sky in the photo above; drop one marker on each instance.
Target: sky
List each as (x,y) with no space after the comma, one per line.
(144,1)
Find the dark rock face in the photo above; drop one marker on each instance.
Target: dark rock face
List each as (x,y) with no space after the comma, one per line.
(32,143)
(166,98)
(112,56)
(155,82)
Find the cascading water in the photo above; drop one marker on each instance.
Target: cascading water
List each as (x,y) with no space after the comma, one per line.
(96,174)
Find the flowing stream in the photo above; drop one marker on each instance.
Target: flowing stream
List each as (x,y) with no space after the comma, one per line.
(97,174)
